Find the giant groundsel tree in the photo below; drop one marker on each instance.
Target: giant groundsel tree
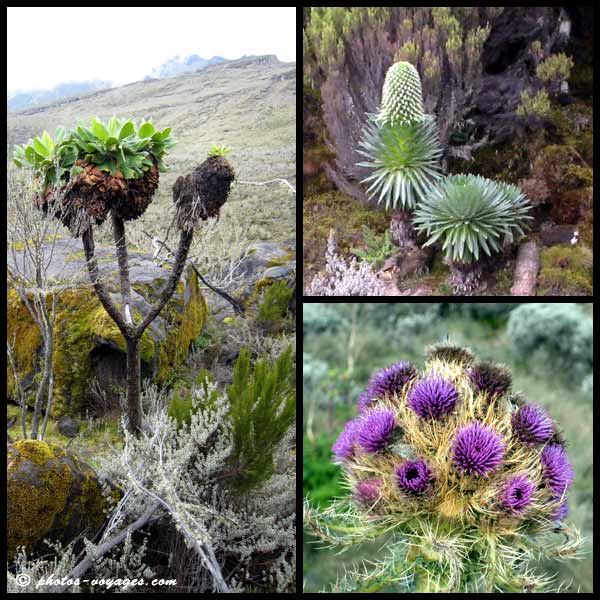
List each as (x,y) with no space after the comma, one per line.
(111,170)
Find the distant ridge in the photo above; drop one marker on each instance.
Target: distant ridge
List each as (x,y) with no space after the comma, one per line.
(177,65)
(26,98)
(66,92)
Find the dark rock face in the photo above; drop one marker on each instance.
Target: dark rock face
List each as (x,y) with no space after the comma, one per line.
(488,106)
(68,427)
(509,69)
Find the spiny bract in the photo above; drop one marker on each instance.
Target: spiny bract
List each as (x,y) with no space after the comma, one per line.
(467,498)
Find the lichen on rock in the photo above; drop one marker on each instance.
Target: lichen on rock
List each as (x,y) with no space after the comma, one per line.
(50,494)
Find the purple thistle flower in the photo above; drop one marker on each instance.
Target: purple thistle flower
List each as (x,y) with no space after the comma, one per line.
(375,429)
(414,476)
(557,468)
(386,382)
(433,397)
(367,492)
(517,493)
(532,425)
(478,449)
(491,378)
(562,511)
(343,448)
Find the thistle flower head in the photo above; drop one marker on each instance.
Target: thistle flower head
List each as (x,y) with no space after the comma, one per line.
(387,382)
(446,466)
(414,476)
(449,352)
(532,425)
(558,471)
(491,378)
(375,429)
(343,448)
(477,449)
(433,397)
(367,492)
(517,493)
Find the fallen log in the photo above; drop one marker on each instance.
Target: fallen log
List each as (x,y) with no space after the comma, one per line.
(526,270)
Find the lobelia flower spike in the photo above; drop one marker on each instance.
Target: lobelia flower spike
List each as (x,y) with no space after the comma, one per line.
(459,472)
(402,146)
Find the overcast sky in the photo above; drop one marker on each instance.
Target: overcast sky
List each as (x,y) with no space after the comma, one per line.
(47,46)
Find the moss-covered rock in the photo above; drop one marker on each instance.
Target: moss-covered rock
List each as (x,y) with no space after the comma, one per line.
(566,271)
(51,494)
(88,344)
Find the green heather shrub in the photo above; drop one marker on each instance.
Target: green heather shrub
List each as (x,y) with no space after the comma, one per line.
(263,407)
(556,66)
(275,302)
(537,105)
(562,330)
(180,406)
(378,247)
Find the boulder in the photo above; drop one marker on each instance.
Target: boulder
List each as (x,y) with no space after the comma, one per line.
(88,345)
(264,263)
(50,494)
(558,234)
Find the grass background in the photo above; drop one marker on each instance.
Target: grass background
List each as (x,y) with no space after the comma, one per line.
(248,104)
(376,346)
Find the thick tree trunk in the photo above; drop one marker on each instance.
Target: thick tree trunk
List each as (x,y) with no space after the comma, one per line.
(401,229)
(134,378)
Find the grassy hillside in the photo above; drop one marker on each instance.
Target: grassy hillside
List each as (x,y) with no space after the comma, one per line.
(248,104)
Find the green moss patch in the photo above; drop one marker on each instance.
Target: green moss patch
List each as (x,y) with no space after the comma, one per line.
(50,494)
(82,324)
(566,271)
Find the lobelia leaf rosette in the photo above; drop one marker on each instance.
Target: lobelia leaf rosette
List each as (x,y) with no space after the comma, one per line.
(466,480)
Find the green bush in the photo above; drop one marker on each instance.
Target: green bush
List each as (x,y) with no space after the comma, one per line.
(587,386)
(494,313)
(378,247)
(263,407)
(320,477)
(537,105)
(562,330)
(320,317)
(275,302)
(180,406)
